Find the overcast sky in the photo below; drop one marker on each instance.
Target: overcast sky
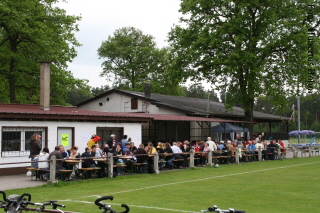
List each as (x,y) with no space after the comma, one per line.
(100,18)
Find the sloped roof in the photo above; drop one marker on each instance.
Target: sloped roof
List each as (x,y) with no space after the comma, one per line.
(194,106)
(34,112)
(26,111)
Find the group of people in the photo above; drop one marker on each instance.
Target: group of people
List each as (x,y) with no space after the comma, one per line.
(168,152)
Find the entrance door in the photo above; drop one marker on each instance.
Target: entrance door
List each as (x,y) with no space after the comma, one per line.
(105,132)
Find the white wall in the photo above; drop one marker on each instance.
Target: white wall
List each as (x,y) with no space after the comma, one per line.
(82,131)
(122,103)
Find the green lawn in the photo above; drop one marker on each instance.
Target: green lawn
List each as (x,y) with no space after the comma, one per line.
(290,185)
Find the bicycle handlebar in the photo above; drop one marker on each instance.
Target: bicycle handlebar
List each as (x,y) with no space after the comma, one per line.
(23,195)
(97,202)
(101,205)
(126,207)
(3,195)
(216,209)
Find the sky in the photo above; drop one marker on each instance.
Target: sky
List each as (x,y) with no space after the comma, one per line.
(100,18)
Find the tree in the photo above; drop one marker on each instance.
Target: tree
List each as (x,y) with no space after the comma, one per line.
(32,32)
(196,90)
(130,56)
(246,48)
(95,91)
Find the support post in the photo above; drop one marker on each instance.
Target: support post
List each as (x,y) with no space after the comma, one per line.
(53,169)
(260,154)
(191,158)
(209,158)
(309,150)
(110,164)
(237,156)
(156,162)
(279,153)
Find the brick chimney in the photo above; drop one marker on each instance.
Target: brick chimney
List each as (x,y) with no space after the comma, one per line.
(45,85)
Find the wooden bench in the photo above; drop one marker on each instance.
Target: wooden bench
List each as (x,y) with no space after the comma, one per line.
(137,166)
(120,167)
(175,161)
(227,158)
(40,173)
(215,159)
(33,172)
(65,174)
(85,172)
(37,173)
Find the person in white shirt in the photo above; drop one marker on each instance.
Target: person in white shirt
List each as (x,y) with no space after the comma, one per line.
(259,138)
(212,145)
(176,150)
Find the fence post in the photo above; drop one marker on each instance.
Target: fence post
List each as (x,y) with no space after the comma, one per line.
(53,170)
(156,162)
(295,150)
(191,158)
(237,155)
(210,158)
(279,153)
(110,164)
(309,150)
(260,154)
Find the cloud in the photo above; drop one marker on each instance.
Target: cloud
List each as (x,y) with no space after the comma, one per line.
(100,18)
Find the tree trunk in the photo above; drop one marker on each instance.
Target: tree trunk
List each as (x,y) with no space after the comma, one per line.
(12,81)
(248,116)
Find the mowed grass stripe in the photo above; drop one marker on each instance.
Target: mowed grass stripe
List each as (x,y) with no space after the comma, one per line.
(290,185)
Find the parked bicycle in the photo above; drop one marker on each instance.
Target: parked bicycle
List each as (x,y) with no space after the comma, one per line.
(19,203)
(216,209)
(107,208)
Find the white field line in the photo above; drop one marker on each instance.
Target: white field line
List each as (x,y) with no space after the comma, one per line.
(143,207)
(196,180)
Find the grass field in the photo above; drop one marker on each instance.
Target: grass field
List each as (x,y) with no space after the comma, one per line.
(291,185)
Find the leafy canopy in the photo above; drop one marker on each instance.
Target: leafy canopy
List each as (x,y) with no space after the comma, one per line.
(247,48)
(32,32)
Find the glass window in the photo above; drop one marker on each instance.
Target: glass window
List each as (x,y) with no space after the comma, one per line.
(11,141)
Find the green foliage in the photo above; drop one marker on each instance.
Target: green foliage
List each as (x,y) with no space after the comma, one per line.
(132,59)
(246,48)
(95,91)
(32,32)
(130,56)
(196,90)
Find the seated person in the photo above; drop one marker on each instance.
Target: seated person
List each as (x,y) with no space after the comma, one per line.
(225,152)
(118,149)
(204,155)
(132,148)
(87,163)
(169,158)
(141,156)
(44,155)
(251,148)
(177,154)
(126,148)
(58,156)
(106,150)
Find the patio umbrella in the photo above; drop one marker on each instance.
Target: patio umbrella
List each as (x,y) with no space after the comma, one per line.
(302,132)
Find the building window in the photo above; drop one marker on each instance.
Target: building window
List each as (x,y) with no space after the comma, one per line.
(134,103)
(15,141)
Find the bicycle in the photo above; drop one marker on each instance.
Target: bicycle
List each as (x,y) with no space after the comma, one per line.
(41,206)
(18,204)
(107,208)
(216,209)
(14,203)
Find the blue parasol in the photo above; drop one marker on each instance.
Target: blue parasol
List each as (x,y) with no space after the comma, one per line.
(302,132)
